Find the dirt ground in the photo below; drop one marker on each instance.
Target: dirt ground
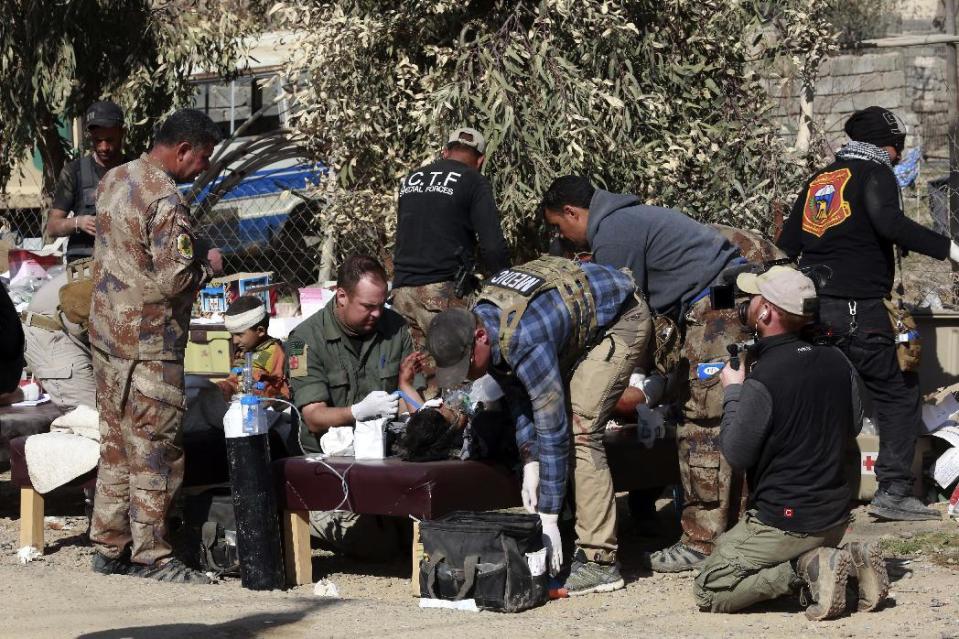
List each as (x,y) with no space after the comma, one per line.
(59,596)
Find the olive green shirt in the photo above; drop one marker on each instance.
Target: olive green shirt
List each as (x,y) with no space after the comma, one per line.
(324,367)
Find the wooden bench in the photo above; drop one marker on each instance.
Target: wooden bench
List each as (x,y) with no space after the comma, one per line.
(428,490)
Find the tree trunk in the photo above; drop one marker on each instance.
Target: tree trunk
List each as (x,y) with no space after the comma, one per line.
(51,147)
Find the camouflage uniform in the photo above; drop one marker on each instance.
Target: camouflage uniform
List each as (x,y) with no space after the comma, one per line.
(145,279)
(419,305)
(714,494)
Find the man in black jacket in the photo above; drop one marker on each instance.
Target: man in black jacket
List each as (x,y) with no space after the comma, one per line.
(849,218)
(786,424)
(445,209)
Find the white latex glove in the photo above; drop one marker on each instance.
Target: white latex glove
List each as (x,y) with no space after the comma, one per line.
(376,404)
(636,379)
(552,541)
(530,491)
(432,403)
(954,252)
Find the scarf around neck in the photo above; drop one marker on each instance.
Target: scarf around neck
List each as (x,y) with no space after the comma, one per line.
(864,151)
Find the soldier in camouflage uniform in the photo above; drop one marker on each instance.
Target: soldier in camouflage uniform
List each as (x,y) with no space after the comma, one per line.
(674,260)
(145,279)
(714,494)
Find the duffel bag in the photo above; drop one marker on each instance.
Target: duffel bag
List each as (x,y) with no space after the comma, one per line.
(484,556)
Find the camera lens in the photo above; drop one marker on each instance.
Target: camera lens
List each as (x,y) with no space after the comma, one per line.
(742,310)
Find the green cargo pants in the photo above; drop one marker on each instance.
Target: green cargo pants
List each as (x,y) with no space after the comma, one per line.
(751,563)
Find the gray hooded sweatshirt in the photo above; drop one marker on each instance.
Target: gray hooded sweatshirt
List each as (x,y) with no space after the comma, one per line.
(673,257)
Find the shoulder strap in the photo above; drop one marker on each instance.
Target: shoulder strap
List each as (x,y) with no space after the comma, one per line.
(88,174)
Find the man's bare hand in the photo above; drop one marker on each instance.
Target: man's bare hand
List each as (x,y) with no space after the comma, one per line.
(215,258)
(87,224)
(731,376)
(410,366)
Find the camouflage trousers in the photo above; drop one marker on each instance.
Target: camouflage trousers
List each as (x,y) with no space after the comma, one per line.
(141,406)
(419,305)
(597,382)
(713,492)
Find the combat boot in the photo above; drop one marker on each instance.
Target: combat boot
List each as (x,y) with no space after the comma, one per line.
(824,571)
(112,565)
(870,574)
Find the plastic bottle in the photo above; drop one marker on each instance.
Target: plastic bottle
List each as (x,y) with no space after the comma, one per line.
(248,373)
(250,407)
(953,510)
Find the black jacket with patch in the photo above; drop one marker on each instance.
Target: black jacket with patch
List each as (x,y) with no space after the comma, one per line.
(848,217)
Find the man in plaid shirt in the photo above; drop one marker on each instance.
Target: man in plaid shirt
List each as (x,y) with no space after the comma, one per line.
(533,327)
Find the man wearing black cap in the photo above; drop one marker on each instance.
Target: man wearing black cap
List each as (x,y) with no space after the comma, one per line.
(76,188)
(849,219)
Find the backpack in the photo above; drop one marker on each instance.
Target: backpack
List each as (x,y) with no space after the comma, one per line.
(76,295)
(483,556)
(211,531)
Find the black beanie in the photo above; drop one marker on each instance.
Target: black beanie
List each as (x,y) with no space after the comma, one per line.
(878,126)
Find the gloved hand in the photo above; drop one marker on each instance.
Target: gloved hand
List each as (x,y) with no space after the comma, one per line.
(553,542)
(432,403)
(530,491)
(376,404)
(954,252)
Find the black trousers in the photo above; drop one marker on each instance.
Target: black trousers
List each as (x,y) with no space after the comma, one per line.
(871,348)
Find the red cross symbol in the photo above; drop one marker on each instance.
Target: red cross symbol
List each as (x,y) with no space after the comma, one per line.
(869,463)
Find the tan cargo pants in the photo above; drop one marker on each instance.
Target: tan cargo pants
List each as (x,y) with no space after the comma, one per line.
(141,406)
(751,563)
(596,384)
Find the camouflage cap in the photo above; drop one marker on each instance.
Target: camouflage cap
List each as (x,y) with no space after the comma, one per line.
(469,137)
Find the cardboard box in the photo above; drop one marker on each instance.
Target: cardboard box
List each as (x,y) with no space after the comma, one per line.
(217,296)
(864,483)
(209,352)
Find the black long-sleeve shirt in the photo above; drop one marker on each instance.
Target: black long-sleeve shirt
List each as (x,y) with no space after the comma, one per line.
(444,209)
(787,426)
(849,217)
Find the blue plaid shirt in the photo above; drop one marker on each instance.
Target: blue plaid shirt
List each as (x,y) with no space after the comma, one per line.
(536,393)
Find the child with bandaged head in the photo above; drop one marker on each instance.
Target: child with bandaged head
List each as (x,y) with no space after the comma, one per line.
(247,321)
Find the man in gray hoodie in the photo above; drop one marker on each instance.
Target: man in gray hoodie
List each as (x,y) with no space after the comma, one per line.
(674,260)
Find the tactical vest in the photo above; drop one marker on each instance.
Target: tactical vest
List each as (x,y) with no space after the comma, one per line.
(512,289)
(80,244)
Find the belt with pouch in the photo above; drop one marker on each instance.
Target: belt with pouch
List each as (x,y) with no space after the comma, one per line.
(29,318)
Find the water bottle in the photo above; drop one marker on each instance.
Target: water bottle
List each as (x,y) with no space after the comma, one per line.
(248,373)
(250,409)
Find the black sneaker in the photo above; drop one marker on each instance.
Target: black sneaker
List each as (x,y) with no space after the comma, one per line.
(172,571)
(885,505)
(112,565)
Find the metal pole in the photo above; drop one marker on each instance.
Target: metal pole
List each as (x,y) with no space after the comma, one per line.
(951,82)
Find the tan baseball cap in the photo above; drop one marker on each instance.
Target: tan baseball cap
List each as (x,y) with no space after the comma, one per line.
(785,287)
(469,137)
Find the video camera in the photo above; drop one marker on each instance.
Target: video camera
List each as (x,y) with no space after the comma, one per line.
(724,294)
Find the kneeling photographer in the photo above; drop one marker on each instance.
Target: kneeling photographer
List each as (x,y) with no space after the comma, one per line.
(786,423)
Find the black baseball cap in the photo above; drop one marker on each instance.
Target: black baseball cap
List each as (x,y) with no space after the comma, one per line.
(105,114)
(449,340)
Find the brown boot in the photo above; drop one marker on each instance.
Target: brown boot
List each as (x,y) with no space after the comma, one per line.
(871,573)
(825,571)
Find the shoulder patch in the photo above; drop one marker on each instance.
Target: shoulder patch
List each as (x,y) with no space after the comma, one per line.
(297,359)
(184,246)
(517,281)
(826,205)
